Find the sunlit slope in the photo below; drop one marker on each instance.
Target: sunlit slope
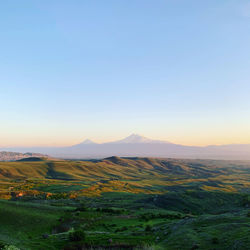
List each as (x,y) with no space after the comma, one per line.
(127,174)
(20,170)
(114,167)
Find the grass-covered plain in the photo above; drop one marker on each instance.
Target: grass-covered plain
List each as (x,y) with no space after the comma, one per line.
(128,203)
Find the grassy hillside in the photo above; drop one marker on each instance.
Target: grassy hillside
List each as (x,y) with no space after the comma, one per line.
(22,224)
(125,203)
(133,175)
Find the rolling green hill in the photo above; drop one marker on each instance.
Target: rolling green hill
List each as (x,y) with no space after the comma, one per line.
(125,203)
(127,174)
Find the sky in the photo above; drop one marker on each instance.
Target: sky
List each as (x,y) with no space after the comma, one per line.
(173,70)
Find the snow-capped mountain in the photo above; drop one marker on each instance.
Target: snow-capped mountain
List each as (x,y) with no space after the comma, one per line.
(87,141)
(135,138)
(137,145)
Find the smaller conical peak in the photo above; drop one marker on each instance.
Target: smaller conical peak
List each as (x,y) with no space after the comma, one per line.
(87,141)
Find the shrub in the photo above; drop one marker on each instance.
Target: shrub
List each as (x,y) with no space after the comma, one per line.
(195,246)
(1,245)
(148,228)
(215,240)
(10,247)
(110,210)
(124,228)
(82,208)
(78,235)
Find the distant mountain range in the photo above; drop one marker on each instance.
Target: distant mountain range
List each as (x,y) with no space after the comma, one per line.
(134,138)
(140,146)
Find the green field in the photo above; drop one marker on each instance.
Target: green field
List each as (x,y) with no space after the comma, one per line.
(125,203)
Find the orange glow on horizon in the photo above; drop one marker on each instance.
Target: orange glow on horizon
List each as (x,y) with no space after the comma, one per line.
(61,142)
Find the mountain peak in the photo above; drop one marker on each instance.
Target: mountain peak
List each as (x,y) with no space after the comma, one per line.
(87,141)
(136,138)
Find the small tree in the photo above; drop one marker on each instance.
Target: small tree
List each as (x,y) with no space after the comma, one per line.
(78,235)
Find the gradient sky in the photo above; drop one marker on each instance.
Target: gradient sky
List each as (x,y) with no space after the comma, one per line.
(175,70)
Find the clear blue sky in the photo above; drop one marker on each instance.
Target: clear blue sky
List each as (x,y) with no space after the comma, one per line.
(175,69)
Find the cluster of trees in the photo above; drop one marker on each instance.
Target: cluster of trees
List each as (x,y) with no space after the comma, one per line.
(111,210)
(8,247)
(38,195)
(151,216)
